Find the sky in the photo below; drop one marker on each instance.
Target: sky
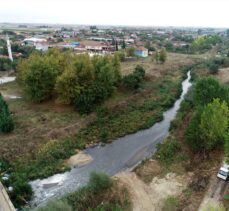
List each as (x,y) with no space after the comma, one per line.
(197,13)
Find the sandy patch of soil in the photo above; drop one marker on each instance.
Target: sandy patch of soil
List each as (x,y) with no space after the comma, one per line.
(151,197)
(80,159)
(223,75)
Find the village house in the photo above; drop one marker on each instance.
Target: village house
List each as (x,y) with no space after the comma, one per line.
(141,52)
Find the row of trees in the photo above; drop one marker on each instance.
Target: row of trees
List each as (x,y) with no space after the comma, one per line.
(203,43)
(6,120)
(76,79)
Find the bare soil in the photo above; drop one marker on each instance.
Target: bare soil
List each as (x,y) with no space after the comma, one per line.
(151,197)
(80,159)
(223,75)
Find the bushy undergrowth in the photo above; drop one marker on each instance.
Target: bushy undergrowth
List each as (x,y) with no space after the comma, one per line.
(16,184)
(6,120)
(171,204)
(100,194)
(166,151)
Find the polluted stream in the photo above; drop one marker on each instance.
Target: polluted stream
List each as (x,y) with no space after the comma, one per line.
(121,155)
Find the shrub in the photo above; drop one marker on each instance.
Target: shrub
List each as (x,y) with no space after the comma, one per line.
(213,68)
(133,80)
(99,182)
(6,121)
(167,150)
(207,89)
(22,191)
(57,205)
(121,55)
(171,204)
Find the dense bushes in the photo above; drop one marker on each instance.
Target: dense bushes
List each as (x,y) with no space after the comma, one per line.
(19,189)
(5,64)
(133,80)
(99,194)
(207,89)
(166,150)
(6,121)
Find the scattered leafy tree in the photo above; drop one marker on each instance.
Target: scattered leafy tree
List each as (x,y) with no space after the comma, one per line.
(6,120)
(133,80)
(162,55)
(123,44)
(130,51)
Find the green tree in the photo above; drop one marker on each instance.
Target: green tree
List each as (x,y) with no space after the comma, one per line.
(192,133)
(130,51)
(226,146)
(123,44)
(156,56)
(38,76)
(133,80)
(121,55)
(67,86)
(163,56)
(214,123)
(207,89)
(116,68)
(6,120)
(208,126)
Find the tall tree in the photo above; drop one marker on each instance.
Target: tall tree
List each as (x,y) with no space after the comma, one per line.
(214,123)
(163,55)
(123,44)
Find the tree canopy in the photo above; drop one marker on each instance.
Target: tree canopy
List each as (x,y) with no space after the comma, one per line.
(207,89)
(76,79)
(208,126)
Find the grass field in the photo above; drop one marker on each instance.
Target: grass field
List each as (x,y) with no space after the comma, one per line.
(123,113)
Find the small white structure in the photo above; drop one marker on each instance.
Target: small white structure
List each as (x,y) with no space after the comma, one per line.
(141,52)
(38,43)
(9,48)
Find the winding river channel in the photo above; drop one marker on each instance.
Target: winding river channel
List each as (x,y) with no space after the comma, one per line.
(121,155)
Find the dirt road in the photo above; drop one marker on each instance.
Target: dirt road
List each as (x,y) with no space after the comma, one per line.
(151,197)
(215,193)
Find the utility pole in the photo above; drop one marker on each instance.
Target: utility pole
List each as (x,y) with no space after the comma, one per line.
(9,48)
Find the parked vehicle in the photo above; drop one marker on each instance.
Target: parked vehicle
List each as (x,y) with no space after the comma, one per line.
(223,172)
